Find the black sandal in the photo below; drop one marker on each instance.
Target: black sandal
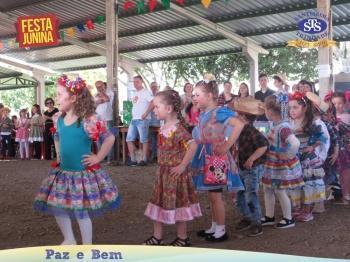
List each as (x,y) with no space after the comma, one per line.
(153,241)
(179,242)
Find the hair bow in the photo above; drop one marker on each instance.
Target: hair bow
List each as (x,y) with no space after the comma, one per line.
(328,96)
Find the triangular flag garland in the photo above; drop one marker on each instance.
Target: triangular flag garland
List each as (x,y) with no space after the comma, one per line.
(166,4)
(206,3)
(81,28)
(152,5)
(138,5)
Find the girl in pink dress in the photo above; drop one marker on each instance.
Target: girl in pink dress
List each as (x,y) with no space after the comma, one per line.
(22,134)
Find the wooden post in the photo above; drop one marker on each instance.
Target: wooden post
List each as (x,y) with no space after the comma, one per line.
(325,53)
(253,59)
(112,58)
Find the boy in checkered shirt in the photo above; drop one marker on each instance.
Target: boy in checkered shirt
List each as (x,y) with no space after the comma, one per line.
(252,146)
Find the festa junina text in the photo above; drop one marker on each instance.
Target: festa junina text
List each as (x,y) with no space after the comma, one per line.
(37,31)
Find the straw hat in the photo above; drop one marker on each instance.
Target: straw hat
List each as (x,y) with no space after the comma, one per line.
(249,105)
(317,101)
(282,77)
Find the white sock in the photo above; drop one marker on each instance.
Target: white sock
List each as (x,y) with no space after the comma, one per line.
(212,229)
(85,226)
(219,231)
(65,225)
(133,158)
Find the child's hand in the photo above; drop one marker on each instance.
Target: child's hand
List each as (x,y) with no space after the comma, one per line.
(249,163)
(90,160)
(177,171)
(220,150)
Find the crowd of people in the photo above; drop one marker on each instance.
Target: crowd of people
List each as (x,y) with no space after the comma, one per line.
(29,135)
(207,142)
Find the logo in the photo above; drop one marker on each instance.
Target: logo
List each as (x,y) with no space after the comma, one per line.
(312,26)
(312,30)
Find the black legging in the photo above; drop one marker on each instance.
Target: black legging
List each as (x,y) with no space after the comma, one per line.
(37,149)
(6,145)
(48,144)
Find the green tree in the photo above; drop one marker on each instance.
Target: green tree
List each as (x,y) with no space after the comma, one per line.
(295,63)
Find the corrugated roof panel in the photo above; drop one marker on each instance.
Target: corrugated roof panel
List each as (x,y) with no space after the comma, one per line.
(55,52)
(185,49)
(96,60)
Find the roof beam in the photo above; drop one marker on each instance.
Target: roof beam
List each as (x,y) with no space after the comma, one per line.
(27,3)
(233,37)
(220,19)
(100,50)
(23,66)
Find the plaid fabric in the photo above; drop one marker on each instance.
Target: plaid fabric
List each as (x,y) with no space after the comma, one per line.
(249,141)
(222,101)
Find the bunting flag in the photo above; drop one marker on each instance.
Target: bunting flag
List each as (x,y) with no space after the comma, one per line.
(100,19)
(166,4)
(206,3)
(70,32)
(128,5)
(140,5)
(61,33)
(90,24)
(81,28)
(180,2)
(152,5)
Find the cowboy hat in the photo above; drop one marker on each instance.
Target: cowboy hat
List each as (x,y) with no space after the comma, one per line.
(317,101)
(281,77)
(249,105)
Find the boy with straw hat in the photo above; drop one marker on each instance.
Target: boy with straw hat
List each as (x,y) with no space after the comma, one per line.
(252,146)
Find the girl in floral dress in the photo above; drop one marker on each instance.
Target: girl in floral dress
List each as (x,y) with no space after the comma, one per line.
(174,200)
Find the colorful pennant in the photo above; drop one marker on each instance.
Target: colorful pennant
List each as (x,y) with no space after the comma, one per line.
(206,3)
(152,5)
(140,5)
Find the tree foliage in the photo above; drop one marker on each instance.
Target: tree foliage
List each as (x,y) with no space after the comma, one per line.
(295,63)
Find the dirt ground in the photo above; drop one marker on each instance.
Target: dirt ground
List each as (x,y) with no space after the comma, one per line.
(20,226)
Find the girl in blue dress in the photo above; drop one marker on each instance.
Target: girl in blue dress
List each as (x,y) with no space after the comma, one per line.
(217,131)
(77,186)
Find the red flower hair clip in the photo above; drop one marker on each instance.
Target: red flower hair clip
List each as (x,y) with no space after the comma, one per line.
(328,96)
(72,86)
(297,96)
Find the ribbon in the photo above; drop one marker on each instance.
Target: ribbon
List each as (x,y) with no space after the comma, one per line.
(300,43)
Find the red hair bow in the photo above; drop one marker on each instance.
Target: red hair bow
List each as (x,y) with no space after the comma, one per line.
(55,165)
(297,96)
(93,167)
(328,96)
(53,130)
(347,95)
(97,131)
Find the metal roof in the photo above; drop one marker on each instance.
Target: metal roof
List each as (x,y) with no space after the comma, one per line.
(164,34)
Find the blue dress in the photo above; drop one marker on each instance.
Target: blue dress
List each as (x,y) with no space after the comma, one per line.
(213,129)
(72,189)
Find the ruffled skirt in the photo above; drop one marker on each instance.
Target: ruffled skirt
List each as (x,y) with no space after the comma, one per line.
(77,193)
(173,199)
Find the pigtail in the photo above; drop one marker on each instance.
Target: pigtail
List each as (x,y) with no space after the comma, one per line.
(177,108)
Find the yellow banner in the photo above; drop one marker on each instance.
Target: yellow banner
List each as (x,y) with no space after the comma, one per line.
(306,44)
